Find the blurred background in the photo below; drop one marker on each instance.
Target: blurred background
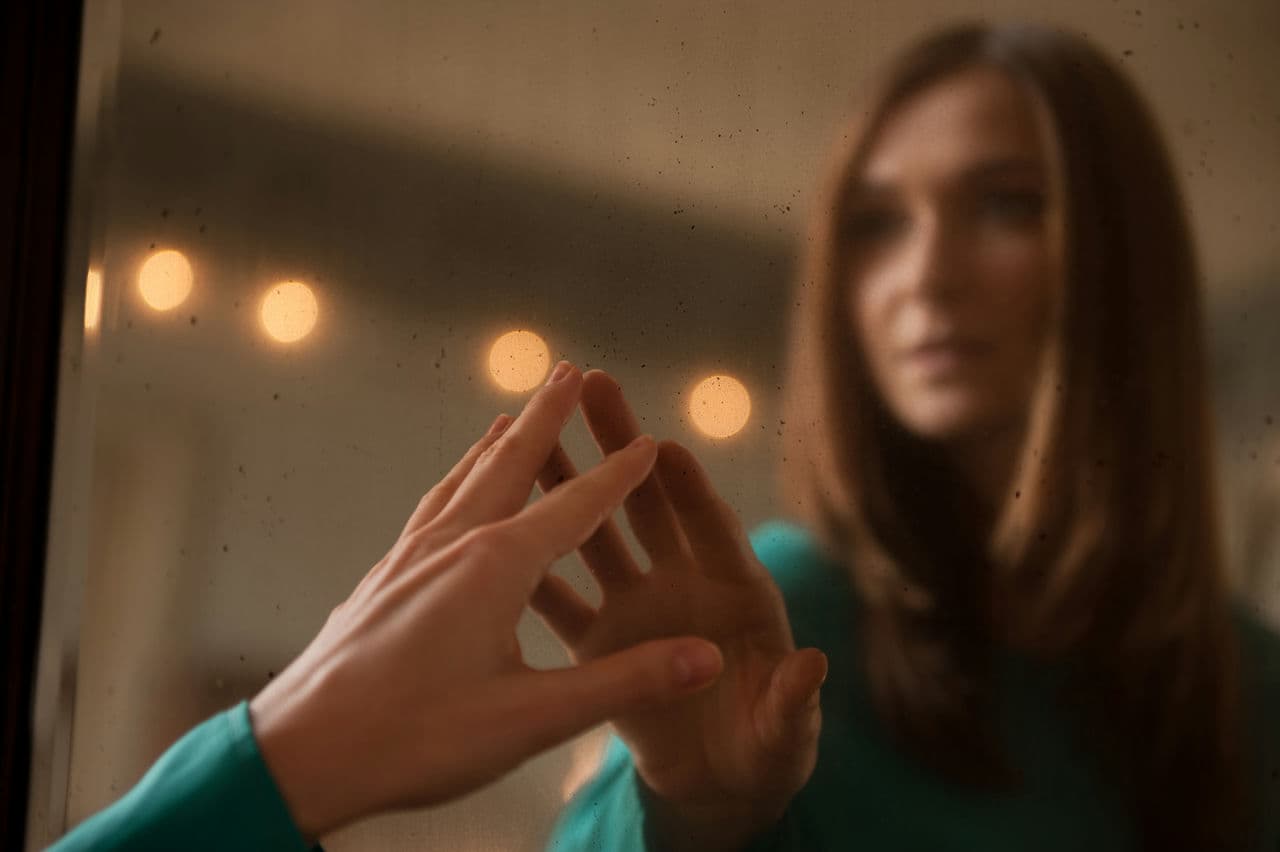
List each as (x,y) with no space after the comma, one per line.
(337,238)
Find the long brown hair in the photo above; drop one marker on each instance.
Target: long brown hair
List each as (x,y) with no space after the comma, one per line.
(1105,556)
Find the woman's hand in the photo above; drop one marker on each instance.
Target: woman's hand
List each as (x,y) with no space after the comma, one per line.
(723,764)
(414,691)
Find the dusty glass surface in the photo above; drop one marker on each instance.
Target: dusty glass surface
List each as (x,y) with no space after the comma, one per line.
(626,181)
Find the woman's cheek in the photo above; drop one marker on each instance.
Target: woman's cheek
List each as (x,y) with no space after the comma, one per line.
(1018,272)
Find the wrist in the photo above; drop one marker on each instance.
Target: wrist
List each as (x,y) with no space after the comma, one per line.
(298,762)
(705,824)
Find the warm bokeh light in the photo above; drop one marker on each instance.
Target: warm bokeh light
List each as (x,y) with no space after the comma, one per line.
(720,406)
(289,311)
(165,279)
(92,299)
(518,360)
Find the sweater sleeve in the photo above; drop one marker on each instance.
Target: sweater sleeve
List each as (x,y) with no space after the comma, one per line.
(608,814)
(210,790)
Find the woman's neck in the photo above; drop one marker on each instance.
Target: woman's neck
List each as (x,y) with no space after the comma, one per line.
(987,462)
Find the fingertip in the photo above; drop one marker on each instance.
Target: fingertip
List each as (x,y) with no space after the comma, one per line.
(696,664)
(642,442)
(595,379)
(601,392)
(815,675)
(564,378)
(814,701)
(820,664)
(642,452)
(500,425)
(802,676)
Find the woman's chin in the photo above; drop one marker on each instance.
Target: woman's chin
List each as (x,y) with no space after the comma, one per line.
(949,419)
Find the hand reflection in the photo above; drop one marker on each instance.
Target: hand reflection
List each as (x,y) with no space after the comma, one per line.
(724,763)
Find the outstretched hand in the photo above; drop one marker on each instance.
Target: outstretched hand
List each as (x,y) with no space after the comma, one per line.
(723,764)
(415,691)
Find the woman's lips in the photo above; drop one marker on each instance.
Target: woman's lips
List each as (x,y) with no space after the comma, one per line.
(943,356)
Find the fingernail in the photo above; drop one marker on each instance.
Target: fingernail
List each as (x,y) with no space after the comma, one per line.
(561,370)
(500,425)
(638,442)
(696,664)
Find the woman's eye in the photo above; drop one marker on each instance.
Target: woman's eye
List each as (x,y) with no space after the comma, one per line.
(871,224)
(1013,205)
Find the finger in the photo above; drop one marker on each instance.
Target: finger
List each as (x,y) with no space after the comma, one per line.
(510,558)
(565,702)
(790,714)
(563,520)
(605,553)
(431,504)
(501,479)
(438,497)
(710,525)
(562,609)
(367,582)
(613,425)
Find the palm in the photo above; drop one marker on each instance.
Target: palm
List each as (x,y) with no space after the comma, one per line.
(749,738)
(711,736)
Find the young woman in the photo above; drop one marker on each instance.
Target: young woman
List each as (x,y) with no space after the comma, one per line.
(999,455)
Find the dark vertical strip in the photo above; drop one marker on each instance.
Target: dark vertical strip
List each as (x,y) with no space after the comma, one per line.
(39,65)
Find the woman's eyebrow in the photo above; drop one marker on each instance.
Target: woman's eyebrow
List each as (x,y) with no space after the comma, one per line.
(866,190)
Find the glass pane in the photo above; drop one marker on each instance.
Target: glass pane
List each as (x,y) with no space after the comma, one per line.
(317,221)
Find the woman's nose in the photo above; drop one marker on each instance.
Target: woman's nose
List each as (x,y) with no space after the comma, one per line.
(934,265)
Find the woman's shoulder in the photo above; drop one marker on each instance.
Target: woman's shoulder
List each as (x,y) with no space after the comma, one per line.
(794,555)
(780,540)
(815,584)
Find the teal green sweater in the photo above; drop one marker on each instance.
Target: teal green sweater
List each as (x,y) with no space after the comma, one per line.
(212,790)
(866,794)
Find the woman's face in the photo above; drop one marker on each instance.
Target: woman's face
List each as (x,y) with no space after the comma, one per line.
(951,269)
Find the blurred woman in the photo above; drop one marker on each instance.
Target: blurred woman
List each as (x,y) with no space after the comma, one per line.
(1006,540)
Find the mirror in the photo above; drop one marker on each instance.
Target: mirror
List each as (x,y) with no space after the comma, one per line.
(316,225)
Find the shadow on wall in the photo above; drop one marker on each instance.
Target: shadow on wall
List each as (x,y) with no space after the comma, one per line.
(421,227)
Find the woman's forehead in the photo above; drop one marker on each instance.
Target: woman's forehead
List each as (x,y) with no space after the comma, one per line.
(978,121)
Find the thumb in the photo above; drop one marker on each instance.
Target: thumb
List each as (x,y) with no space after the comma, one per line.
(789,712)
(571,700)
